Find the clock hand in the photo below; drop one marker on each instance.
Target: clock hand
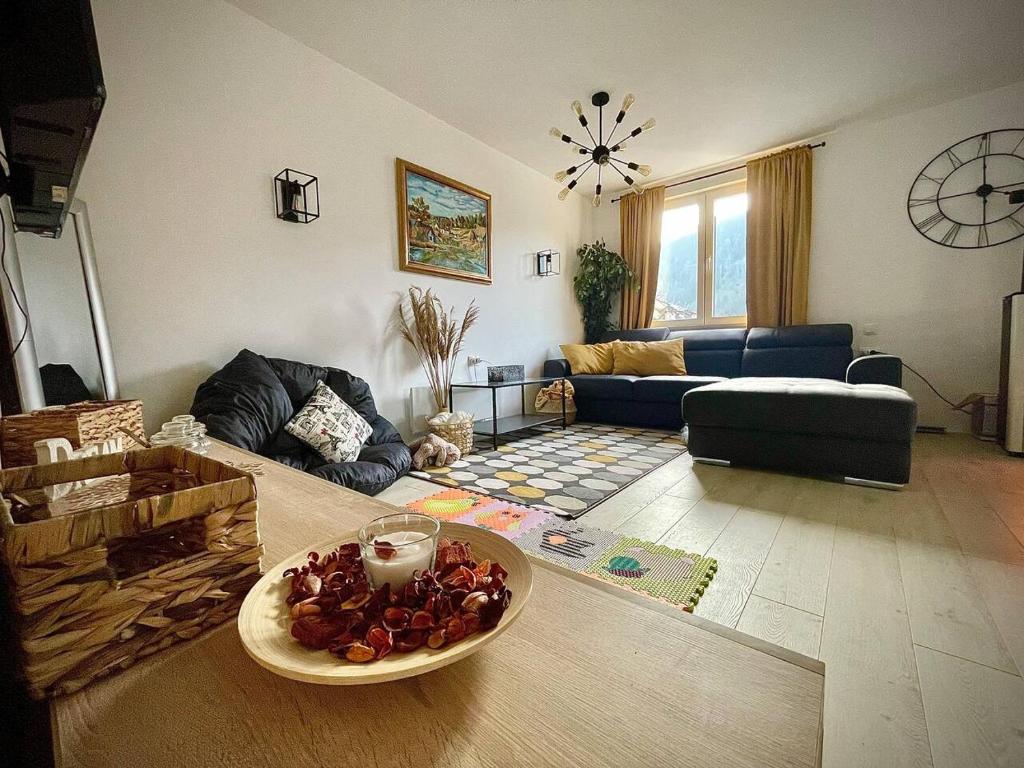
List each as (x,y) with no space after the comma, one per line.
(984,182)
(973,192)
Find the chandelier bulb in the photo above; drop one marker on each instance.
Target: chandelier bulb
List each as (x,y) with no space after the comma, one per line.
(638,189)
(556,132)
(596,202)
(560,176)
(577,108)
(619,147)
(563,194)
(643,170)
(648,124)
(627,102)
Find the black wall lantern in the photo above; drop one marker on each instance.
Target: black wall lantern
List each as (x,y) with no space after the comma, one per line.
(549,263)
(296,196)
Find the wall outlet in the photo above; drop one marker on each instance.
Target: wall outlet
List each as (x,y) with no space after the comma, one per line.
(869,329)
(473,360)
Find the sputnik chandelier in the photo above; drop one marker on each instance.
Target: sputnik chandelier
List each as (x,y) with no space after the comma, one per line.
(601,154)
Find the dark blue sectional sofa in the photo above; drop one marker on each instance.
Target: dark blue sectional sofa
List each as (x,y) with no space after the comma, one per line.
(793,398)
(800,351)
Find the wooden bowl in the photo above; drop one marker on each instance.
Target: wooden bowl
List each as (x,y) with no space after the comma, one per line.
(264,624)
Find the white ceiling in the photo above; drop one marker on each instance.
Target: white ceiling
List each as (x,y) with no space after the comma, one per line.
(724,78)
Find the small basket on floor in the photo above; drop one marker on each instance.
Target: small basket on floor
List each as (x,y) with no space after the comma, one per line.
(549,400)
(458,432)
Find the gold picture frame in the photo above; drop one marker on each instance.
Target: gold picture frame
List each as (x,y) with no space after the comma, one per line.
(452,239)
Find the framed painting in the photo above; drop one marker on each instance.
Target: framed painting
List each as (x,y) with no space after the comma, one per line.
(444,226)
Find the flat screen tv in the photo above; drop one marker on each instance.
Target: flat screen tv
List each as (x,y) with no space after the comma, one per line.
(51,95)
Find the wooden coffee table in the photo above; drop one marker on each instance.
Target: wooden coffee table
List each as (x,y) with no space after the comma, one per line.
(589,675)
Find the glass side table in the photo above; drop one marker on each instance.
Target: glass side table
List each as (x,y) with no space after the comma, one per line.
(495,426)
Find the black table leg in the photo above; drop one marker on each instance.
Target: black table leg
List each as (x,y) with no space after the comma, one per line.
(564,425)
(494,417)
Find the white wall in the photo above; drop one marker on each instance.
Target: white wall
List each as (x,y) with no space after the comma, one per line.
(205,105)
(936,307)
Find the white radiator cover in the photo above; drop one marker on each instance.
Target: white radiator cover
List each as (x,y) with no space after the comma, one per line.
(1015,383)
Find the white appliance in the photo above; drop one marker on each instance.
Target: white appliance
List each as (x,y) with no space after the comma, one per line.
(1011,376)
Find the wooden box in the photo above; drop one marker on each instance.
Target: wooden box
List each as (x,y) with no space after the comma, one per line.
(161,545)
(91,421)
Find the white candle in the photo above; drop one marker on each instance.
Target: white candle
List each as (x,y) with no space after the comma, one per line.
(411,552)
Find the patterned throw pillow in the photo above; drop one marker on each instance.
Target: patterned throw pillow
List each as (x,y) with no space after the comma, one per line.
(330,426)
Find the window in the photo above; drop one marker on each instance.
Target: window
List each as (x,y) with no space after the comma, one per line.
(702,277)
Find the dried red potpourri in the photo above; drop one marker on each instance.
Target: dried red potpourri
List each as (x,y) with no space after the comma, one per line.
(384,550)
(333,607)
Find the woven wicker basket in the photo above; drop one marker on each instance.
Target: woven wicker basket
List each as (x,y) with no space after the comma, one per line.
(458,433)
(164,546)
(92,421)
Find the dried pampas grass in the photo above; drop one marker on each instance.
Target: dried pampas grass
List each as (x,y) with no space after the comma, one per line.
(437,335)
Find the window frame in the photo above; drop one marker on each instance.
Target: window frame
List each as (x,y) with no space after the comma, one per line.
(705,199)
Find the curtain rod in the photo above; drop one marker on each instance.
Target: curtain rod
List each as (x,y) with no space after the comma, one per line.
(717,173)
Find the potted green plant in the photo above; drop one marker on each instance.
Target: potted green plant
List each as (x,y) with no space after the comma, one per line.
(599,278)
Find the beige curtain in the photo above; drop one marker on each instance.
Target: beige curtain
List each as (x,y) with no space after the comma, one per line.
(778,238)
(640,228)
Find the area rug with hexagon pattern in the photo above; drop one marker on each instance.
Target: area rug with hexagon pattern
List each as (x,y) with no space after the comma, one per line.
(663,573)
(564,471)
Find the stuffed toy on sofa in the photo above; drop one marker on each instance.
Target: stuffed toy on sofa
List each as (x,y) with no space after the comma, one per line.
(434,450)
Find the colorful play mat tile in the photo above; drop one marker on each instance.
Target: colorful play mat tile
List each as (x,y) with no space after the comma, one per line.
(567,543)
(565,471)
(661,572)
(497,515)
(670,575)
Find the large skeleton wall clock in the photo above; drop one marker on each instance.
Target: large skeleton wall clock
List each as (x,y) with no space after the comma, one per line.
(971,195)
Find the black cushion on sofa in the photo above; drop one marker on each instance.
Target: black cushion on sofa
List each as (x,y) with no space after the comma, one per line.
(364,476)
(714,352)
(248,402)
(244,403)
(636,334)
(711,339)
(807,351)
(804,406)
(603,386)
(811,363)
(820,335)
(668,389)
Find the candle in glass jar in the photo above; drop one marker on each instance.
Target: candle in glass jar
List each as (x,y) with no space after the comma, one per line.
(394,557)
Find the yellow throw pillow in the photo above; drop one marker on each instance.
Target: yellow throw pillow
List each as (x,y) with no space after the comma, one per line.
(588,358)
(649,358)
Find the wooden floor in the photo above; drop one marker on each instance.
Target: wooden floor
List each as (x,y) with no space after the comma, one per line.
(913,599)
